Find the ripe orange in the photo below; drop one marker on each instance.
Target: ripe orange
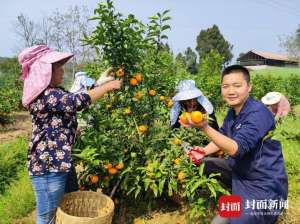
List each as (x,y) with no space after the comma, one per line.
(177,161)
(109,166)
(138,77)
(181,176)
(94,179)
(177,141)
(152,92)
(133,82)
(120,73)
(170,103)
(196,116)
(184,118)
(142,129)
(138,95)
(120,166)
(112,171)
(162,98)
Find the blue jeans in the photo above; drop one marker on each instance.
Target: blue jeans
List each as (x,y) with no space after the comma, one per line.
(49,190)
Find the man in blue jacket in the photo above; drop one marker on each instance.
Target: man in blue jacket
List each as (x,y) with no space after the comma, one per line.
(255,161)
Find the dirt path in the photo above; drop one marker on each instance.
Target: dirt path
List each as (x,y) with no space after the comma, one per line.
(20,128)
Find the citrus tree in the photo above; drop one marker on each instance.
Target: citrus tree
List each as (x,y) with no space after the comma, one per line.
(129,149)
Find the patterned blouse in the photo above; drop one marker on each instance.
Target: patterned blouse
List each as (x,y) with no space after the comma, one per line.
(53,130)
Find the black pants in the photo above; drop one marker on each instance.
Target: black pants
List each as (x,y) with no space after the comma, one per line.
(218,165)
(72,182)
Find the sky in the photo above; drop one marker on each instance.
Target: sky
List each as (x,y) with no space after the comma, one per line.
(255,24)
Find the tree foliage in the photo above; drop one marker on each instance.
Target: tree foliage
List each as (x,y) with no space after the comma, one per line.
(292,44)
(212,39)
(60,31)
(190,60)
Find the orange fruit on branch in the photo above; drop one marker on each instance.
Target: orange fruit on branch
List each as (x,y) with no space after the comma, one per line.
(112,171)
(176,141)
(120,166)
(170,103)
(152,92)
(177,161)
(142,129)
(120,73)
(162,98)
(133,82)
(109,166)
(138,95)
(138,77)
(181,176)
(94,179)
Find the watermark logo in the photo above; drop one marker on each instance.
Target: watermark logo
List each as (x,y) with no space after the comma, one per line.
(230,206)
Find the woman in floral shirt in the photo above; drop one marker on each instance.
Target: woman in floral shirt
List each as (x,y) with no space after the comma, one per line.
(54,124)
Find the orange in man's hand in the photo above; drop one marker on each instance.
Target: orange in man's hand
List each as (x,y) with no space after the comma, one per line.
(184,118)
(196,117)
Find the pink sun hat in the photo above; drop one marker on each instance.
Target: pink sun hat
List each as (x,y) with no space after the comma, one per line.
(36,62)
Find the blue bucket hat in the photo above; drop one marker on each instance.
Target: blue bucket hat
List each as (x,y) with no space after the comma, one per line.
(187,90)
(82,82)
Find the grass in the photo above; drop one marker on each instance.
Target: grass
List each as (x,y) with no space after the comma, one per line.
(12,160)
(277,72)
(18,200)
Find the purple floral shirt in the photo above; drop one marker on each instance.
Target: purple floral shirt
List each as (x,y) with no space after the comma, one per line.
(53,130)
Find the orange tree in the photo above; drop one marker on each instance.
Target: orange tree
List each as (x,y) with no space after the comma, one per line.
(128,148)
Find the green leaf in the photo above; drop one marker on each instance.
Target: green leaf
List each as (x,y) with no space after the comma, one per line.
(161,186)
(212,190)
(137,191)
(166,18)
(166,11)
(165,27)
(147,182)
(154,188)
(170,189)
(154,17)
(197,185)
(201,169)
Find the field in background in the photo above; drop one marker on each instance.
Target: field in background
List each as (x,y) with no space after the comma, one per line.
(277,71)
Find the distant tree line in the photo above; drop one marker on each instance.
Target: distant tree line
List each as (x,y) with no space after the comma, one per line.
(208,40)
(60,31)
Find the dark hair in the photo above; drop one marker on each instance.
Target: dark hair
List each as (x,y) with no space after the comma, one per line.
(236,68)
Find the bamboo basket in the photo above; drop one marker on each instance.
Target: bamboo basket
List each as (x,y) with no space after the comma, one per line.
(85,207)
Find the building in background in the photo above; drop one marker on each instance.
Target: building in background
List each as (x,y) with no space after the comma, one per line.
(262,58)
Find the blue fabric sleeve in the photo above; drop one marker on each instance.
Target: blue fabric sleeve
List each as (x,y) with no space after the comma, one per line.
(62,101)
(254,127)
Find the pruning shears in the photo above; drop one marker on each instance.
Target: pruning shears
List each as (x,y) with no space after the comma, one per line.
(186,146)
(188,149)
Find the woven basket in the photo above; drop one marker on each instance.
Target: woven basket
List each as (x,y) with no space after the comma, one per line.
(85,207)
